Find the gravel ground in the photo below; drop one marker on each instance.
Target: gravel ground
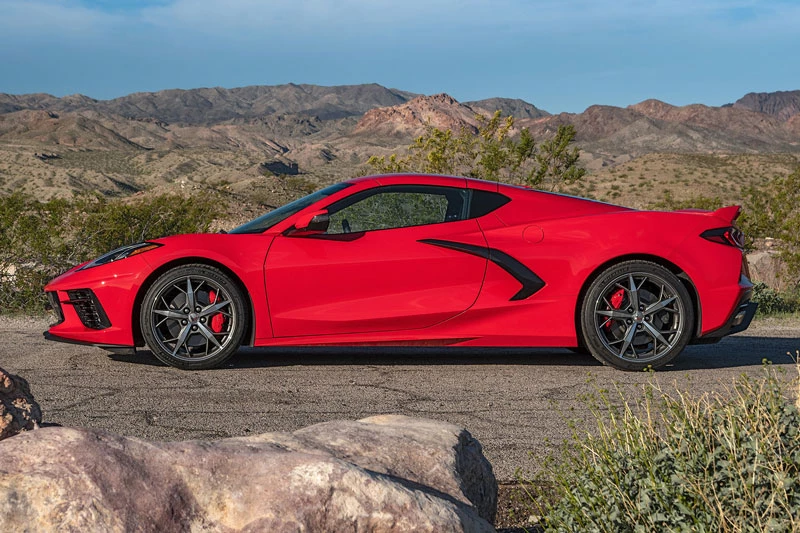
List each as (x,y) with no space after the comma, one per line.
(512,400)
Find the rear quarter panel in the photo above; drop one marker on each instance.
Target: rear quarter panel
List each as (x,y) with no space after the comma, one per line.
(580,238)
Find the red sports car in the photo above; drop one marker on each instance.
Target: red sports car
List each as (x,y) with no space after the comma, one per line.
(421,260)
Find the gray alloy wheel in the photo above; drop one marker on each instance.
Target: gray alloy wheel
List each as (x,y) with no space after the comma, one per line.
(636,315)
(193,317)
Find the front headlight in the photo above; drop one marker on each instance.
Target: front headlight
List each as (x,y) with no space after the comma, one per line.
(122,253)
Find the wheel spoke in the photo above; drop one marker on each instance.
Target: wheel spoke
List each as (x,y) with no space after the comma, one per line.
(629,335)
(215,308)
(657,336)
(660,305)
(614,313)
(174,315)
(209,335)
(633,292)
(181,340)
(190,294)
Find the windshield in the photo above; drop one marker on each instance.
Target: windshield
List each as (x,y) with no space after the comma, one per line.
(266,221)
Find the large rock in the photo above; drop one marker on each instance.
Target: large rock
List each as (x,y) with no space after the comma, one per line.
(385,473)
(768,266)
(18,410)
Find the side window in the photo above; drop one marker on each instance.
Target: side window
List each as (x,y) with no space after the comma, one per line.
(397,206)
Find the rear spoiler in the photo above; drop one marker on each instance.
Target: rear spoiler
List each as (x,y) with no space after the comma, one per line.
(728,214)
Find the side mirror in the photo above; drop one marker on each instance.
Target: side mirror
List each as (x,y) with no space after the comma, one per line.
(317,222)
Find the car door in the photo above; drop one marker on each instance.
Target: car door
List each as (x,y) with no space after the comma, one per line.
(378,267)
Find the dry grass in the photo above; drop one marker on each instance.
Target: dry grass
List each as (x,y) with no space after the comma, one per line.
(644,181)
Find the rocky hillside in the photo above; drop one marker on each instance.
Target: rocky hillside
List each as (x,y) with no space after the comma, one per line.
(405,120)
(782,105)
(515,107)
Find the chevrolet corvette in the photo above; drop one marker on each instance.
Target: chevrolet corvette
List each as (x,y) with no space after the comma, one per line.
(421,260)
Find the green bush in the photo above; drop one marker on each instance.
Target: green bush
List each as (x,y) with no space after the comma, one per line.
(679,462)
(772,302)
(39,240)
(773,210)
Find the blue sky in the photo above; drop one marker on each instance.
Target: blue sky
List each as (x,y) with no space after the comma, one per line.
(561,55)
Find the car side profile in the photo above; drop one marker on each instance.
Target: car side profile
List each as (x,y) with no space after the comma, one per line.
(421,260)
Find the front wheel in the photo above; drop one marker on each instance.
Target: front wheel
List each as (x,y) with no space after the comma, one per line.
(636,315)
(193,317)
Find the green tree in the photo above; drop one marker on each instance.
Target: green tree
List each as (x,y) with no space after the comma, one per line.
(492,151)
(558,160)
(773,210)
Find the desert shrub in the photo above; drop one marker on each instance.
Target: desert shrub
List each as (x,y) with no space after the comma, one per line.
(39,240)
(674,461)
(494,152)
(772,302)
(773,210)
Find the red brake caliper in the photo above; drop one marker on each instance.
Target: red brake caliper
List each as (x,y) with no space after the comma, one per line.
(217,320)
(616,302)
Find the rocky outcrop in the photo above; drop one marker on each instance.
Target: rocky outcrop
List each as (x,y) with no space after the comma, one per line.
(781,104)
(385,473)
(441,111)
(508,107)
(767,266)
(18,410)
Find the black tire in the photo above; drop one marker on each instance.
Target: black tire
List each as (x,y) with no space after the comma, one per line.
(199,336)
(636,315)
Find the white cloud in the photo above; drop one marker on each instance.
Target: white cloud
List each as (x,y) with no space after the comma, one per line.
(53,19)
(254,19)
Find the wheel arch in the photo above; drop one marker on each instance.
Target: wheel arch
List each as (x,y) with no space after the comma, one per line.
(669,265)
(136,327)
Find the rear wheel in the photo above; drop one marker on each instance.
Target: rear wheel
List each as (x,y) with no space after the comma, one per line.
(193,317)
(636,315)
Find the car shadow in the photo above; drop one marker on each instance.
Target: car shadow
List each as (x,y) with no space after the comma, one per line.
(736,351)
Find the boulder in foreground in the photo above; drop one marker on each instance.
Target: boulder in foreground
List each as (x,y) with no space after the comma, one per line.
(18,410)
(384,473)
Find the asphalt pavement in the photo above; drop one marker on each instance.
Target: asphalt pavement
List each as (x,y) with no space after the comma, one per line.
(516,402)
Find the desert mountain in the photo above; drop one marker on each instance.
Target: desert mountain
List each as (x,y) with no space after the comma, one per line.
(281,118)
(655,126)
(232,135)
(212,105)
(781,104)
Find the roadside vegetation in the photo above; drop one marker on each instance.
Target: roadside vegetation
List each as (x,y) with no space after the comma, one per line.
(672,460)
(40,240)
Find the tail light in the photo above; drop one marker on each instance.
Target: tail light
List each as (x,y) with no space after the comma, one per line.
(731,236)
